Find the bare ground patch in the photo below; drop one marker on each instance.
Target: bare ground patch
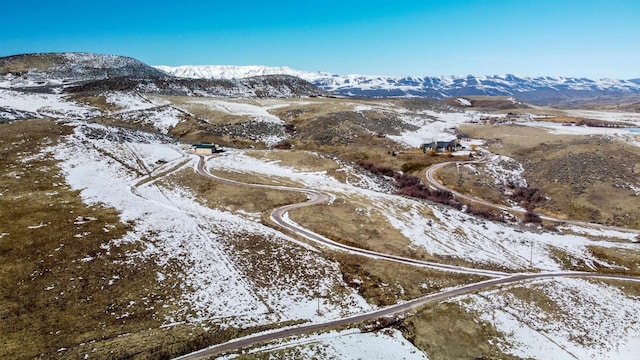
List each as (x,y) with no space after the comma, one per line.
(384,283)
(357,225)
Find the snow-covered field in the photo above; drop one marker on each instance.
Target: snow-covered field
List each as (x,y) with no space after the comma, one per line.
(582,320)
(451,233)
(629,135)
(346,344)
(215,287)
(606,115)
(431,125)
(52,105)
(128,101)
(255,112)
(162,118)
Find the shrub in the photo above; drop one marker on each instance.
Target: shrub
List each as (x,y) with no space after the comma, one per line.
(412,166)
(290,129)
(531,217)
(283,145)
(404,181)
(412,186)
(528,197)
(378,170)
(486,214)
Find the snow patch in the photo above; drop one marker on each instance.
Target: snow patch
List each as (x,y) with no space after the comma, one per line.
(583,325)
(463,102)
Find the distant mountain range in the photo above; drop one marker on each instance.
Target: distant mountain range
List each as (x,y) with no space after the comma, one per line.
(538,90)
(55,72)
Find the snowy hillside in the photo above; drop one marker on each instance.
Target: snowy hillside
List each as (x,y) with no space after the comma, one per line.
(61,68)
(543,89)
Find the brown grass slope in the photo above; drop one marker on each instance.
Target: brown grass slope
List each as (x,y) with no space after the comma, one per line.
(585,178)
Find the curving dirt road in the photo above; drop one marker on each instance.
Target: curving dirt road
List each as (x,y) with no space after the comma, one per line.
(279,216)
(434,183)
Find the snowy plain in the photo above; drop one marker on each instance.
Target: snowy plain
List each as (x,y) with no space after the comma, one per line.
(256,112)
(53,105)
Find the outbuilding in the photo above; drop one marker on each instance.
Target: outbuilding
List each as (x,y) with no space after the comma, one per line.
(205,149)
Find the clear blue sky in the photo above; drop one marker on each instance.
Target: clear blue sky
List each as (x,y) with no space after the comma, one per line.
(582,38)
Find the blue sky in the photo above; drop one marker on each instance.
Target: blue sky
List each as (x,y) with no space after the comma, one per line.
(582,38)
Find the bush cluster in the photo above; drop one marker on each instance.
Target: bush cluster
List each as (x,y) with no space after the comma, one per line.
(486,214)
(412,186)
(531,217)
(283,145)
(378,170)
(290,129)
(528,197)
(600,123)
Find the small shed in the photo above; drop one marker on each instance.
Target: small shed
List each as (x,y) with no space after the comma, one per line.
(205,149)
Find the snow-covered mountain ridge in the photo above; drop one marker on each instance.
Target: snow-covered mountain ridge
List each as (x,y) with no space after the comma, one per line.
(536,89)
(237,72)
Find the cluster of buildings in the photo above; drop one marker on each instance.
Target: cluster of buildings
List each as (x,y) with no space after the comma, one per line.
(442,146)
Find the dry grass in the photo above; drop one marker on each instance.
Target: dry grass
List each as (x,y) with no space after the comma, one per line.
(538,298)
(629,258)
(202,111)
(608,255)
(233,198)
(48,294)
(348,222)
(328,126)
(26,63)
(583,177)
(384,283)
(446,331)
(62,286)
(300,160)
(630,288)
(353,224)
(489,103)
(97,101)
(471,181)
(569,120)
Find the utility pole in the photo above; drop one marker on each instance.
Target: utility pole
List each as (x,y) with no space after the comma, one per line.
(531,255)
(318,293)
(570,183)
